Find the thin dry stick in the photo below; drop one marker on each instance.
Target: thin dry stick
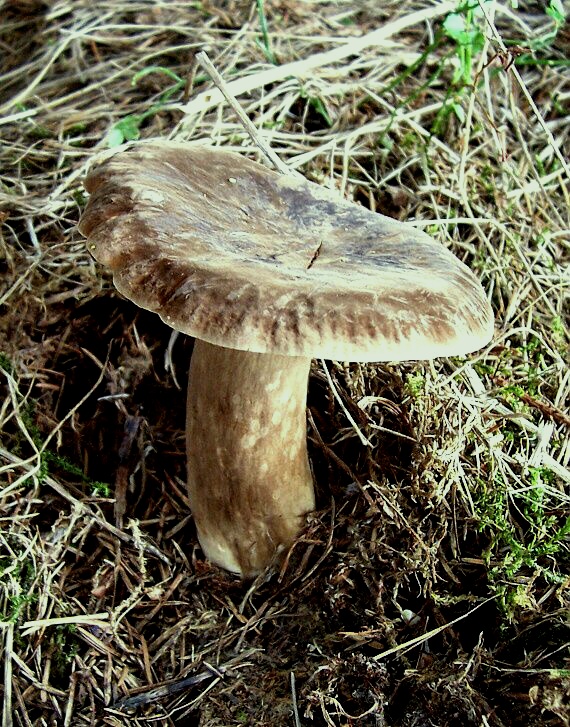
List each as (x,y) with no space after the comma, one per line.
(429,634)
(267,151)
(95,619)
(8,653)
(34,83)
(336,395)
(294,698)
(70,700)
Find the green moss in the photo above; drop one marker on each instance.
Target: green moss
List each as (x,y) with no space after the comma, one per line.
(526,532)
(64,464)
(415,385)
(65,646)
(6,363)
(559,333)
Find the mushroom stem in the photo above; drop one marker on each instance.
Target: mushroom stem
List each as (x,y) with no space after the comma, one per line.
(249,477)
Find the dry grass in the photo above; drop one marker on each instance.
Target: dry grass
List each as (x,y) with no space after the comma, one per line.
(432,585)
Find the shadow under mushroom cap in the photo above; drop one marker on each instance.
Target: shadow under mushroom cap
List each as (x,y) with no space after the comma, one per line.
(235,254)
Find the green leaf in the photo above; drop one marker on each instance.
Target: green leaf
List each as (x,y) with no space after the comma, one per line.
(114,138)
(321,109)
(266,45)
(126,129)
(478,41)
(456,28)
(454,25)
(458,111)
(155,69)
(556,11)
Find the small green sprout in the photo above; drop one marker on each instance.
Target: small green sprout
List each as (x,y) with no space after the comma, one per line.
(317,104)
(6,363)
(128,128)
(266,45)
(415,385)
(461,28)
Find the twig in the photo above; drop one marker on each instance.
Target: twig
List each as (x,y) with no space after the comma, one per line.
(549,410)
(95,619)
(429,634)
(176,686)
(8,652)
(336,395)
(166,690)
(294,698)
(266,150)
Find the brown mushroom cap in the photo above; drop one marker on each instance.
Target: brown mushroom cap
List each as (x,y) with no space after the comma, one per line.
(237,255)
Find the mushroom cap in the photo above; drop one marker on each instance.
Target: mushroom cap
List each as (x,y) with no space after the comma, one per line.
(240,256)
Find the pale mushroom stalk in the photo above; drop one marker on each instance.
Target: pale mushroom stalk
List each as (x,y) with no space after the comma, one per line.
(249,477)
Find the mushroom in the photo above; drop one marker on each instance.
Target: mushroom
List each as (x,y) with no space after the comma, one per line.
(267,271)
